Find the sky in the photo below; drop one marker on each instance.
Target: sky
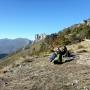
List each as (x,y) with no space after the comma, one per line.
(25,18)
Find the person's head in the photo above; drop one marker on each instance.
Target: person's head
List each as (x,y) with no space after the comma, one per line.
(58,50)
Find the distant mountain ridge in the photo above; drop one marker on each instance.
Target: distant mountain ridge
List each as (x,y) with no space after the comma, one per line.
(11,45)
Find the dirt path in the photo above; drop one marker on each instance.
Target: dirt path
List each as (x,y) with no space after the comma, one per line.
(40,74)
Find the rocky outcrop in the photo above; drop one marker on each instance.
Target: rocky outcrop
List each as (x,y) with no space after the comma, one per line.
(39,37)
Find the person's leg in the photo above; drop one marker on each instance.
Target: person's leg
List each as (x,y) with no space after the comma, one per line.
(68,54)
(60,62)
(60,58)
(57,62)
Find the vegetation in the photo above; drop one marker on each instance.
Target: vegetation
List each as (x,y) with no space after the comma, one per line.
(70,35)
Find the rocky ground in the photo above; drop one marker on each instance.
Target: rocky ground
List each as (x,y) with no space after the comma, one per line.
(37,73)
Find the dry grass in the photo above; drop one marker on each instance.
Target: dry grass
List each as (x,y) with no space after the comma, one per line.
(40,74)
(22,72)
(82,46)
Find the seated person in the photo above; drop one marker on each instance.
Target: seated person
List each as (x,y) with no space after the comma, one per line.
(65,52)
(58,59)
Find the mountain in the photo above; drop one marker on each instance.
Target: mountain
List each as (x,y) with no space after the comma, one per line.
(30,69)
(37,73)
(11,45)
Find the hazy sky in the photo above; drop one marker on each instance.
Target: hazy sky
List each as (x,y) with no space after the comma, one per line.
(25,18)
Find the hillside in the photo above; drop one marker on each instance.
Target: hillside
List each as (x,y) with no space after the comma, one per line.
(70,35)
(29,68)
(37,73)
